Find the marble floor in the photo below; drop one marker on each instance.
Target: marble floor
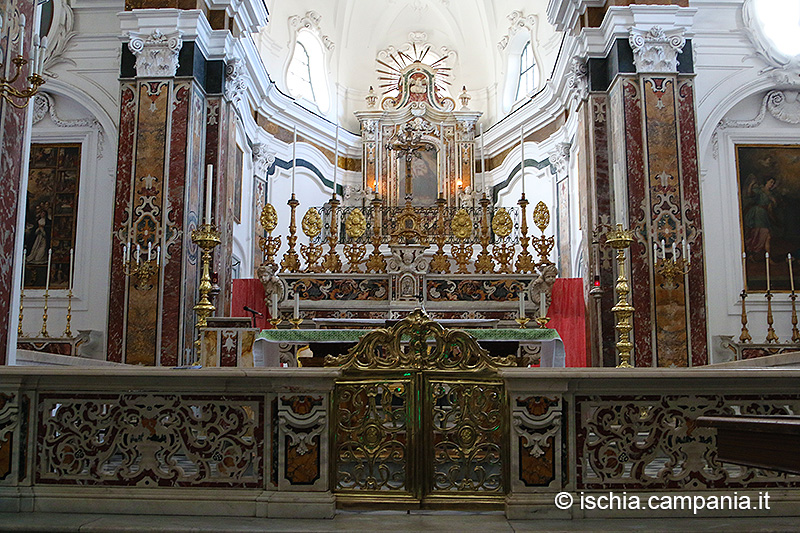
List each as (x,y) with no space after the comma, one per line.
(440,522)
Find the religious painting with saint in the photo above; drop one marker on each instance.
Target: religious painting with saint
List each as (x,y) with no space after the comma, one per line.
(424,186)
(769,193)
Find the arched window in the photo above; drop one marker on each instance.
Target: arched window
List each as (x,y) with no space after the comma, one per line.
(527,72)
(305,77)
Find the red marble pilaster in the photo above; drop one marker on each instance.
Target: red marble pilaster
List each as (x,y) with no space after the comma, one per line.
(12,163)
(161,131)
(637,217)
(691,213)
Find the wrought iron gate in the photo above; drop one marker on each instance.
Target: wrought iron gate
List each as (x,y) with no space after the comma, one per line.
(419,418)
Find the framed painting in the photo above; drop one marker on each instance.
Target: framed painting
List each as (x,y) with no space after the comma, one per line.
(769,196)
(424,186)
(51,213)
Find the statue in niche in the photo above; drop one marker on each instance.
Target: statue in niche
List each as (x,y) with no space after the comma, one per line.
(418,87)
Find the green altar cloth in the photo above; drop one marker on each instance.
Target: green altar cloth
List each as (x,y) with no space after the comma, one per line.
(303,336)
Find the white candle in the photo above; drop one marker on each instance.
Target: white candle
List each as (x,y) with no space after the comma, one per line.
(42,50)
(688,253)
(296,304)
(158,255)
(522,304)
(124,252)
(336,154)
(138,252)
(791,274)
(674,253)
(522,152)
(685,251)
(274,311)
(47,278)
(483,161)
(655,252)
(744,272)
(294,154)
(542,304)
(22,33)
(441,164)
(71,267)
(209,179)
(25,257)
(766,258)
(149,250)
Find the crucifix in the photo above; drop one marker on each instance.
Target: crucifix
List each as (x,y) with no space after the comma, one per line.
(408,143)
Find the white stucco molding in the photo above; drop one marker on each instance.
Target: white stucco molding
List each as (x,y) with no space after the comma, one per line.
(156,53)
(656,49)
(563,14)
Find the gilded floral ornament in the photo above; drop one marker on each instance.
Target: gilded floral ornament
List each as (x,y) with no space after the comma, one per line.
(502,224)
(355,224)
(461,225)
(312,223)
(269,218)
(541,216)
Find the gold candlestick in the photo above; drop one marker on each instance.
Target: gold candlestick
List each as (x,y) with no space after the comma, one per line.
(771,336)
(620,239)
(440,263)
(484,263)
(523,321)
(332,262)
(291,262)
(207,238)
(542,321)
(795,332)
(44,332)
(376,262)
(745,336)
(67,330)
(524,262)
(295,322)
(276,322)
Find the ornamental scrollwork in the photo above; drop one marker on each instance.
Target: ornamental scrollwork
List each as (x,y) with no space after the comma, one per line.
(417,342)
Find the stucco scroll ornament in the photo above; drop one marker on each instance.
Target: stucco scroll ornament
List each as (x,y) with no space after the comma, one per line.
(43,104)
(263,158)
(656,49)
(578,78)
(783,105)
(517,21)
(559,159)
(311,21)
(235,79)
(156,54)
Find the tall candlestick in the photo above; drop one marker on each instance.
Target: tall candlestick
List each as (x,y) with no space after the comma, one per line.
(791,274)
(522,152)
(294,154)
(209,179)
(377,158)
(766,258)
(25,257)
(296,314)
(47,278)
(71,267)
(522,303)
(483,161)
(542,304)
(440,177)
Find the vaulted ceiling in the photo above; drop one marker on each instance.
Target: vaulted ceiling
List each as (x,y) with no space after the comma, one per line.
(360,29)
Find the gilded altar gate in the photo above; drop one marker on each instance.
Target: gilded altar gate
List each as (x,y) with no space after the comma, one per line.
(419,419)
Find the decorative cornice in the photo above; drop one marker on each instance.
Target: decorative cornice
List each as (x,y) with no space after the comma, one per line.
(156,53)
(656,49)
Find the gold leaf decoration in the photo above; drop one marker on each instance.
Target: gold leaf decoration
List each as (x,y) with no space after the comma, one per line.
(269,218)
(502,224)
(461,225)
(541,216)
(312,223)
(355,224)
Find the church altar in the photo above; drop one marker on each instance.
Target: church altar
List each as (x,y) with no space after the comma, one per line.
(273,347)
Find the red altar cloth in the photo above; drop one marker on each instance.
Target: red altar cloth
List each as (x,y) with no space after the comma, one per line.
(568,317)
(249,292)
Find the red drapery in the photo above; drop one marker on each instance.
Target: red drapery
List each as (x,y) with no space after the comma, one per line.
(568,317)
(249,292)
